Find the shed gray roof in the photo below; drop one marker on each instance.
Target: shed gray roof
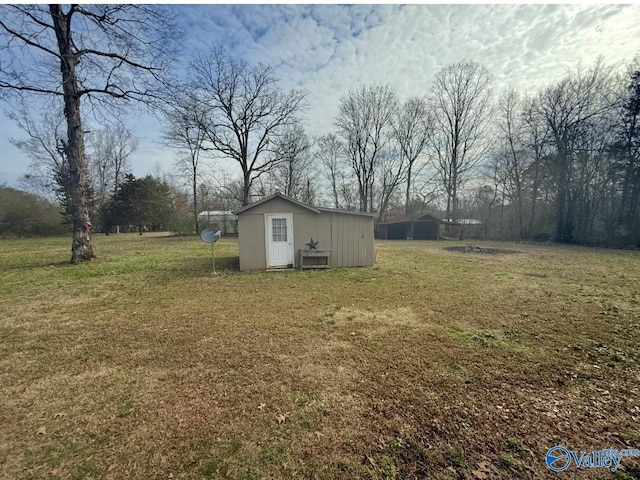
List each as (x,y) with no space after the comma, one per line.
(348,212)
(300,204)
(271,197)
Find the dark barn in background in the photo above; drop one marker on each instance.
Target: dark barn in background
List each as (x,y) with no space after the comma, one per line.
(423,227)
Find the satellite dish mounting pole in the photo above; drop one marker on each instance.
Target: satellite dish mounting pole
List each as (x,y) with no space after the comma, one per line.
(209,235)
(213,261)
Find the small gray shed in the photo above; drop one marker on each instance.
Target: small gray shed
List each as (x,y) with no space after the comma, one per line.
(274,231)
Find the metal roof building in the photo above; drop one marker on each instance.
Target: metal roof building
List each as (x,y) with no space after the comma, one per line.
(275,232)
(422,227)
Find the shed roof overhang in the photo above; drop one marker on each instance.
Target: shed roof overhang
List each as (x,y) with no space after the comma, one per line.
(346,212)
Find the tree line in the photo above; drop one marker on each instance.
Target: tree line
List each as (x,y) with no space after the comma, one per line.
(560,164)
(25,215)
(565,161)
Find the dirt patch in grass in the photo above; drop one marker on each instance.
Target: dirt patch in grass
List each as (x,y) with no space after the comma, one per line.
(480,250)
(427,365)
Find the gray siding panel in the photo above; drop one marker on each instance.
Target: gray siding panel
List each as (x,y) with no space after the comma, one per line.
(352,239)
(361,244)
(336,254)
(251,238)
(355,241)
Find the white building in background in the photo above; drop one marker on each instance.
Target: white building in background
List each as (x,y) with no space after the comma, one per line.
(226,222)
(464,221)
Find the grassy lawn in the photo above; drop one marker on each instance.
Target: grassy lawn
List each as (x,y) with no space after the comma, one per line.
(431,364)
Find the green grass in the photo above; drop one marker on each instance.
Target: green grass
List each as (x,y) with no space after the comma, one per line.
(429,364)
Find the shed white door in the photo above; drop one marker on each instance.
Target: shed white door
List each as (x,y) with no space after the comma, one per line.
(279,241)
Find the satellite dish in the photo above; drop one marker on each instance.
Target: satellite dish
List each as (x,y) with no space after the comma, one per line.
(210,235)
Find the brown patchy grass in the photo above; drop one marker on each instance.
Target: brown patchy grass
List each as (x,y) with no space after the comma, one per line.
(432,364)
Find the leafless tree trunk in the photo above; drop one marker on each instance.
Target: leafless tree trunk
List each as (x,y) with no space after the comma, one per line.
(104,53)
(110,151)
(392,173)
(482,201)
(76,179)
(628,148)
(330,151)
(412,131)
(427,188)
(186,131)
(460,104)
(125,144)
(512,152)
(248,113)
(291,175)
(497,172)
(536,134)
(364,122)
(231,191)
(568,108)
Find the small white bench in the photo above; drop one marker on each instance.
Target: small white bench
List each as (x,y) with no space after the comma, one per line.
(312,258)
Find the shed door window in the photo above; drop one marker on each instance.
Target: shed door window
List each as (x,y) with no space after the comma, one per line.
(279,229)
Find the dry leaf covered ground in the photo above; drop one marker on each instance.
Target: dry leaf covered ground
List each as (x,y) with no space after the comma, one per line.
(432,364)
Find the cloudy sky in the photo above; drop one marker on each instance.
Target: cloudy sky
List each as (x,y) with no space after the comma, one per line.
(329,49)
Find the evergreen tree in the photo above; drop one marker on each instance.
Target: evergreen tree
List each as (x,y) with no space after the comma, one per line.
(145,202)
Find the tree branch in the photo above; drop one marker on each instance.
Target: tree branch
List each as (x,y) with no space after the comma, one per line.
(32,17)
(121,58)
(28,41)
(27,88)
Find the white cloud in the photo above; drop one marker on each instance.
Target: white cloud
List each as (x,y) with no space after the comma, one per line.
(330,49)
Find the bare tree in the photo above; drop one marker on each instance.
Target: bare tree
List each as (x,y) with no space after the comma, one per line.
(412,130)
(99,53)
(426,191)
(569,108)
(627,148)
(536,140)
(511,152)
(460,104)
(335,168)
(110,150)
(231,191)
(185,131)
(292,175)
(330,152)
(481,201)
(364,122)
(248,113)
(392,168)
(43,145)
(496,171)
(125,144)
